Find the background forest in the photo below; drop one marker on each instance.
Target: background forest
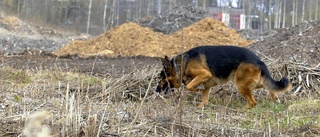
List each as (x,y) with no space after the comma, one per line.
(97,16)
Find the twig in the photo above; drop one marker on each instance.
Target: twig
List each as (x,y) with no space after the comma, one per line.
(142,102)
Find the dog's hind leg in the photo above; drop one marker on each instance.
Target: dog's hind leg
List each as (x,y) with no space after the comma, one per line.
(247,77)
(247,93)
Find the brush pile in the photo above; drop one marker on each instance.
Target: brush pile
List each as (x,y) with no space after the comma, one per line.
(174,20)
(299,43)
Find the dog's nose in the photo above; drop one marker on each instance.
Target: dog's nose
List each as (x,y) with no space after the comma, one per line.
(158,89)
(164,88)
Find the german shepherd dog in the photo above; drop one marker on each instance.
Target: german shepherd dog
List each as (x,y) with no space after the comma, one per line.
(216,65)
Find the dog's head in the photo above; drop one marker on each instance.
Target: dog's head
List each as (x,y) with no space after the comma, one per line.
(169,76)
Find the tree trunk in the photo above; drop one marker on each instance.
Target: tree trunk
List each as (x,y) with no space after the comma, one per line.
(148,8)
(261,19)
(140,8)
(105,15)
(296,11)
(316,15)
(303,10)
(159,7)
(113,13)
(310,10)
(250,15)
(276,14)
(293,12)
(270,17)
(89,15)
(279,14)
(284,14)
(27,8)
(18,11)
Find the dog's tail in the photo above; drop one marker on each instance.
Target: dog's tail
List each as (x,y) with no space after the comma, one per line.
(281,86)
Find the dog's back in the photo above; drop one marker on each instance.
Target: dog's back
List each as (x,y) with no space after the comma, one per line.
(223,59)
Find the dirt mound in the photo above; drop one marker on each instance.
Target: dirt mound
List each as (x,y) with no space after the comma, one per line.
(15,25)
(17,36)
(299,43)
(11,22)
(20,27)
(130,39)
(210,32)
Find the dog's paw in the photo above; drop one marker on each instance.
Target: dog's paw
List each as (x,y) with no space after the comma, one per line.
(202,104)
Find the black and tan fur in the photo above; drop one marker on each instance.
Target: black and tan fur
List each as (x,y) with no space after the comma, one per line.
(216,65)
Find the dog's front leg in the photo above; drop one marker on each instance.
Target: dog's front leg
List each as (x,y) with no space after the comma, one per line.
(186,81)
(205,93)
(202,77)
(205,97)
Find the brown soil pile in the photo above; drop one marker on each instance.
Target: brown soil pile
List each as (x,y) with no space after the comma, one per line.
(209,32)
(14,24)
(11,22)
(128,39)
(18,26)
(131,39)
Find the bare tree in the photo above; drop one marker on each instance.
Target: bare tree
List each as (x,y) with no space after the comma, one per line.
(317,4)
(18,11)
(261,19)
(284,14)
(293,12)
(159,6)
(276,14)
(113,13)
(204,4)
(303,10)
(27,3)
(140,9)
(296,11)
(279,14)
(105,14)
(151,9)
(148,8)
(118,12)
(89,15)
(249,13)
(270,17)
(310,9)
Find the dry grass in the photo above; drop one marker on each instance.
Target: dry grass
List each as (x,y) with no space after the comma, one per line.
(85,105)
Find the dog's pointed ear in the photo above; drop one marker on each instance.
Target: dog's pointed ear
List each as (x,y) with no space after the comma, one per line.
(166,57)
(166,62)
